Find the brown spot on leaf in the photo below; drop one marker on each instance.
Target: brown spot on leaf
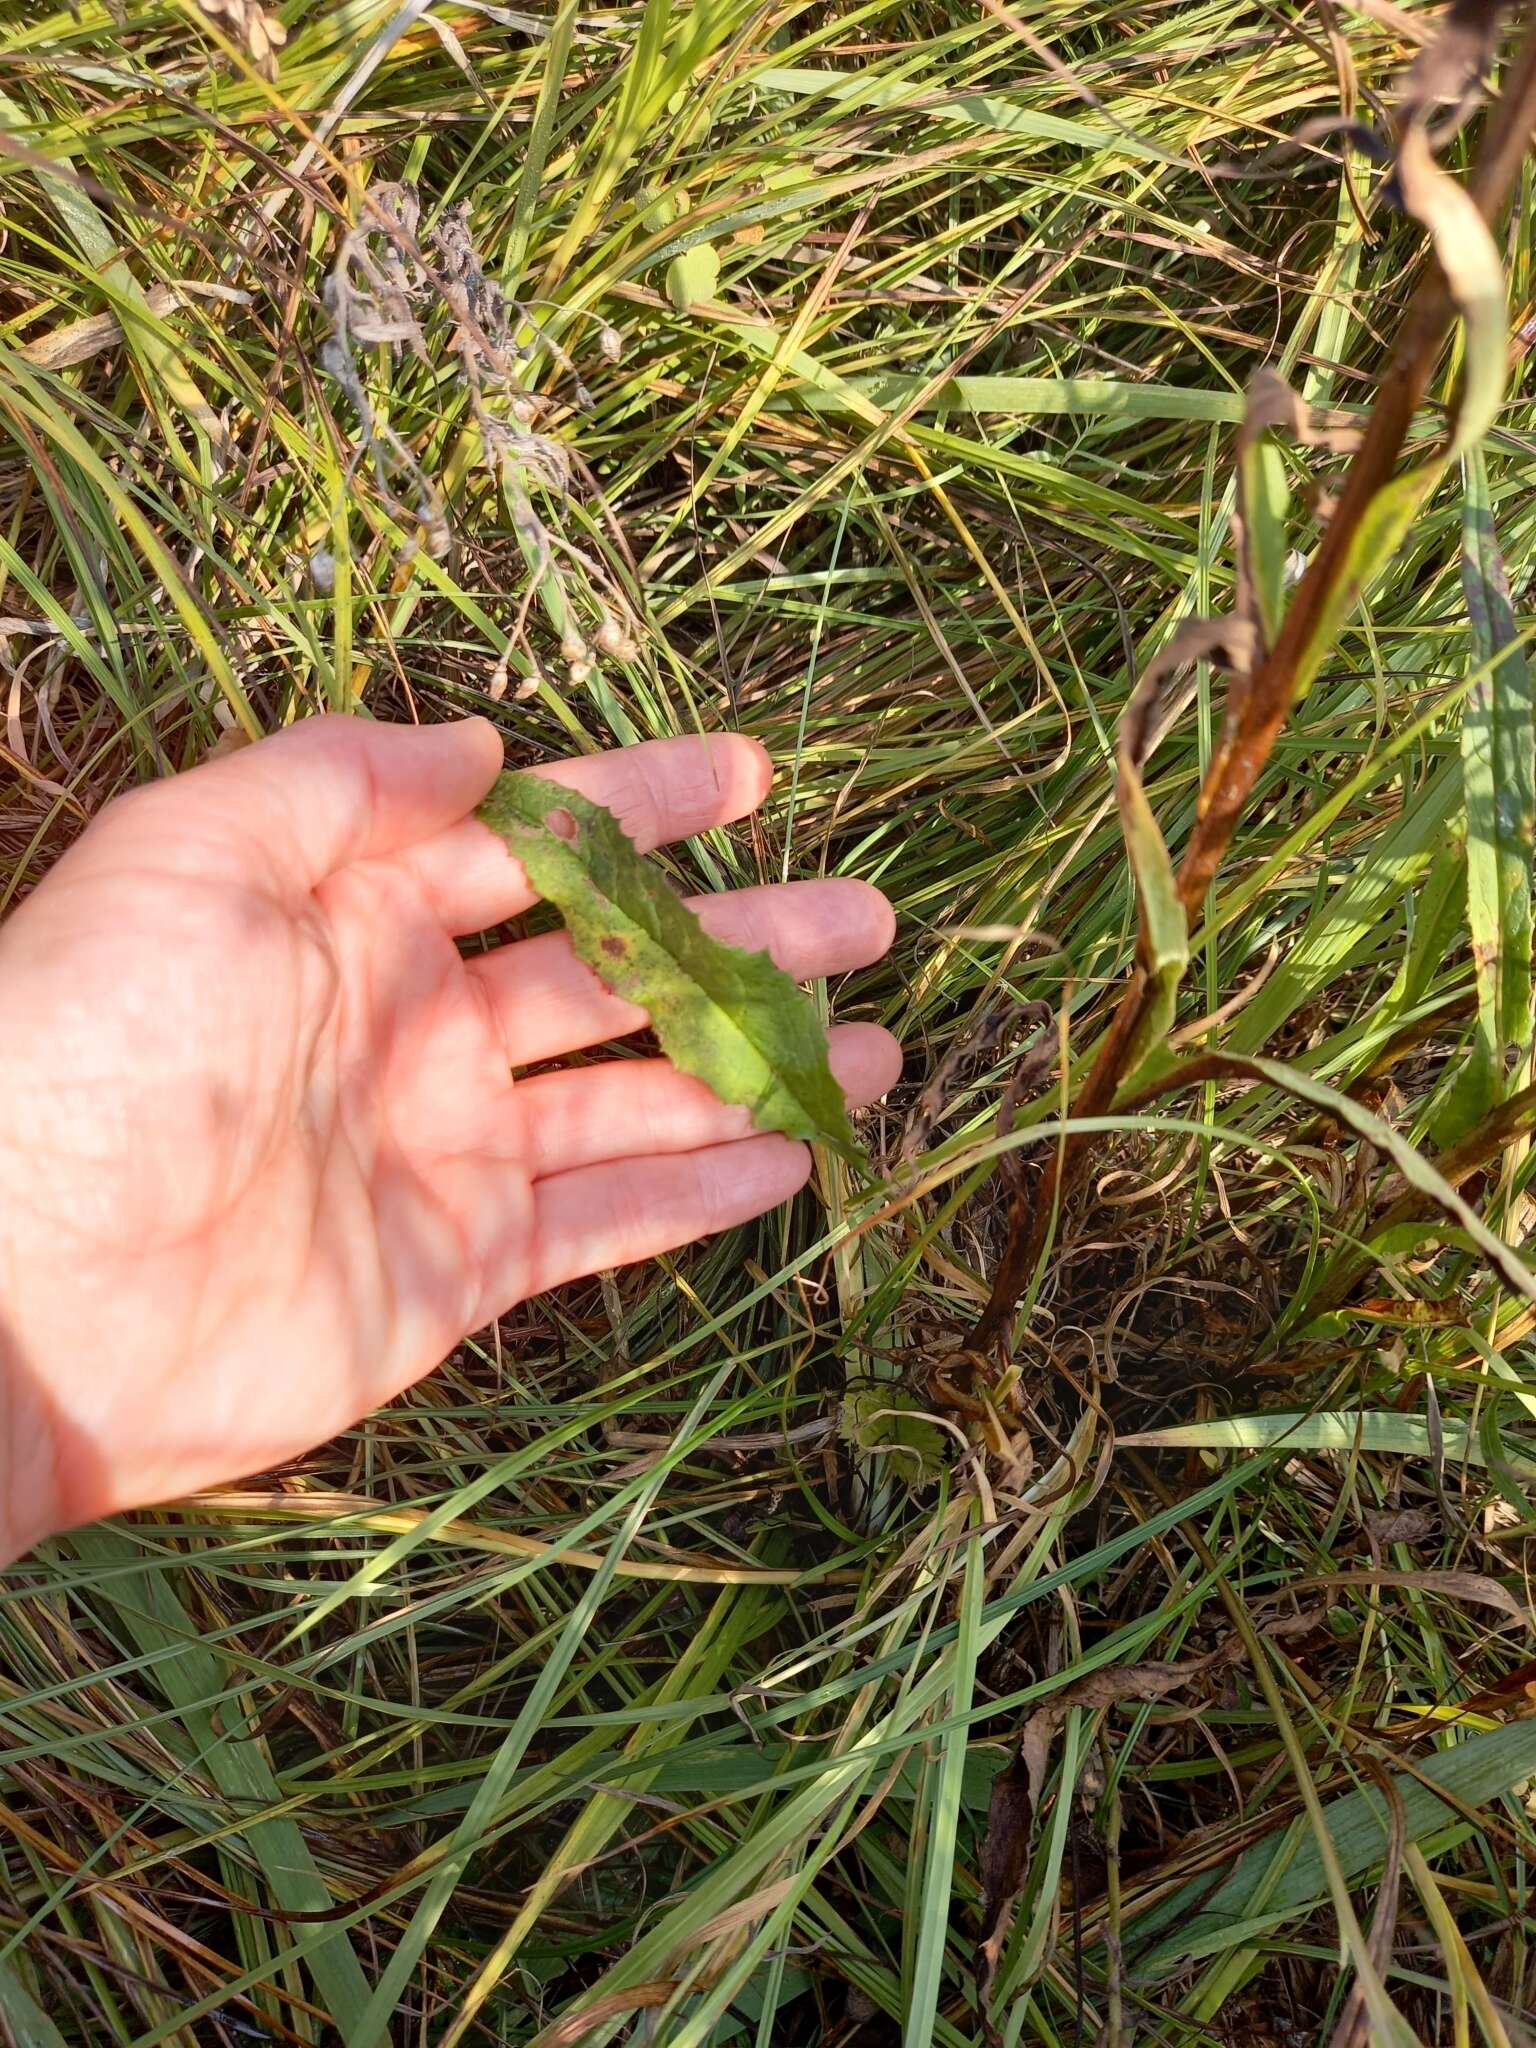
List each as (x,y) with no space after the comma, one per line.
(613,947)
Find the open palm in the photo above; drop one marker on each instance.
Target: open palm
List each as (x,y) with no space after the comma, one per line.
(262,1158)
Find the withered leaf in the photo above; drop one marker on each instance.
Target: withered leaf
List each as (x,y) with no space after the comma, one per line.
(978,1046)
(1475,1587)
(1397,1525)
(1004,1867)
(1449,71)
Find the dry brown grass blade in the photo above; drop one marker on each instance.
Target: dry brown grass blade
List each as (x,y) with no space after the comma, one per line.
(1353,2029)
(1475,1587)
(1429,1185)
(977,1048)
(1449,72)
(1510,1121)
(355,1511)
(577,2026)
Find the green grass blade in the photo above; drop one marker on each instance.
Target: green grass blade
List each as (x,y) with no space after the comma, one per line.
(1478,1770)
(1499,772)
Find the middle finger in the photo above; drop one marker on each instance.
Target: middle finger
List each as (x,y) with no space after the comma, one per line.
(547,1003)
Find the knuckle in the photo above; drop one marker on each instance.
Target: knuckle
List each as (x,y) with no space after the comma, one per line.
(636,799)
(746,920)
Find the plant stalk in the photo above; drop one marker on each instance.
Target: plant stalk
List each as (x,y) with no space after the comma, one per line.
(1269,697)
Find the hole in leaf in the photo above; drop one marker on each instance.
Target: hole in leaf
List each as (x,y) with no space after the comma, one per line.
(561,823)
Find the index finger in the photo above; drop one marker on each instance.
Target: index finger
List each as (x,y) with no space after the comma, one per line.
(314,798)
(659,791)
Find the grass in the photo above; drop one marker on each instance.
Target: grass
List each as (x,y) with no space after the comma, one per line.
(600,1691)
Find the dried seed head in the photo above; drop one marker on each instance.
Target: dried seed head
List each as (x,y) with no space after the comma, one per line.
(611,343)
(612,639)
(230,740)
(246,22)
(573,648)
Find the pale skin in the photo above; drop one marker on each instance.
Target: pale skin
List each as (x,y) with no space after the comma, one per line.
(265,1157)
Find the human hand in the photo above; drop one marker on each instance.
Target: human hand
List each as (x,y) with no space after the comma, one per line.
(262,1161)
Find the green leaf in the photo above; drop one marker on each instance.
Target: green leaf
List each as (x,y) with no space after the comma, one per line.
(147,335)
(1162,952)
(1164,933)
(1283,1876)
(1383,1430)
(1013,397)
(1266,506)
(1362,914)
(732,1019)
(1002,112)
(667,52)
(1499,764)
(941,1832)
(693,277)
(886,1420)
(1439,906)
(22,2019)
(1383,526)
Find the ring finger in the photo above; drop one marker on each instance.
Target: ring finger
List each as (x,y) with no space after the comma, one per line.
(627,1109)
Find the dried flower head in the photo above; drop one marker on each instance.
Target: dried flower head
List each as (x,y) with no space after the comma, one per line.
(257,32)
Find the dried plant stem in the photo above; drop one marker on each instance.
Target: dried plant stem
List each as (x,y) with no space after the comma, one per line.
(1270,696)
